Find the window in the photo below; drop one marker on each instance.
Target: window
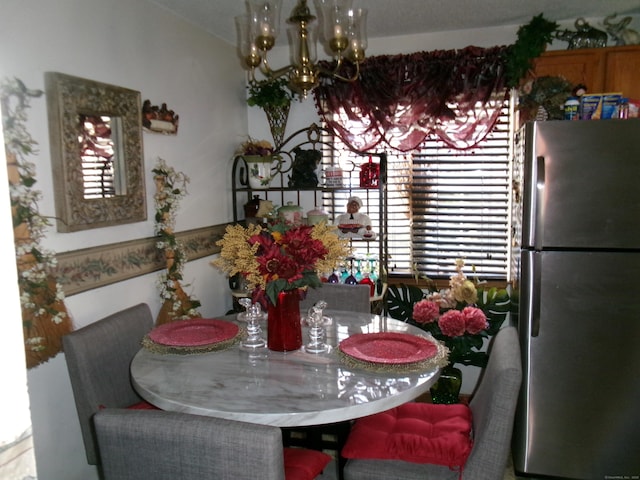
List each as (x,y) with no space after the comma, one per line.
(445,204)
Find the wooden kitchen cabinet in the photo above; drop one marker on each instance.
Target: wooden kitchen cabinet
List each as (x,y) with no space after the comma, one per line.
(611,69)
(622,71)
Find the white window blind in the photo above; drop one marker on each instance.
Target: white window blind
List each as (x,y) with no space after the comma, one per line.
(460,205)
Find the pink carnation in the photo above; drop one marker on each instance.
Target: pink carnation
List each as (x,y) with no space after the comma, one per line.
(475,320)
(452,323)
(425,311)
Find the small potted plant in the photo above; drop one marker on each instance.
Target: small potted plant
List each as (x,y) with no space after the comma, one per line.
(259,155)
(274,97)
(269,93)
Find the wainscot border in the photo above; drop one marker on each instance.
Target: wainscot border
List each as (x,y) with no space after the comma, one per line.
(94,267)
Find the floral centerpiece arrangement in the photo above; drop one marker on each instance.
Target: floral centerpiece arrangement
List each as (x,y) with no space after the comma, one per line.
(461,316)
(279,262)
(279,257)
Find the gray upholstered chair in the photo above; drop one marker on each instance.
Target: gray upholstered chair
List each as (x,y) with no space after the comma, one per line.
(352,298)
(493,409)
(98,358)
(160,445)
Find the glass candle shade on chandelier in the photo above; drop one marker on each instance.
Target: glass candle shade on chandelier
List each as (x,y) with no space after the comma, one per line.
(343,35)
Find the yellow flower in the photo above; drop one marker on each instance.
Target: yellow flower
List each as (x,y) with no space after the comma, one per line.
(461,289)
(466,292)
(337,248)
(237,256)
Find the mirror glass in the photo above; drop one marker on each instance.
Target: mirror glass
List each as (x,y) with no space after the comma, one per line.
(103,169)
(95,133)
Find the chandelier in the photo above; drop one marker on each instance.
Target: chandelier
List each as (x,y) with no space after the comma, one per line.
(343,34)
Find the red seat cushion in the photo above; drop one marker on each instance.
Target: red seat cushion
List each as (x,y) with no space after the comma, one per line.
(142,406)
(414,432)
(136,406)
(304,464)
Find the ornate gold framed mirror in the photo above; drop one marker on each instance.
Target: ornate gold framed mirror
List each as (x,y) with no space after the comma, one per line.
(95,132)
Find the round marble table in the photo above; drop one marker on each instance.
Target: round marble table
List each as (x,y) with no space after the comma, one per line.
(280,389)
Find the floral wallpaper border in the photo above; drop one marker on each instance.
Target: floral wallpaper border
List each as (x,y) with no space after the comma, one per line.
(88,268)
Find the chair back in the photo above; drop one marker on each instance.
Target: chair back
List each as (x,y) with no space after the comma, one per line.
(160,445)
(352,298)
(98,359)
(493,406)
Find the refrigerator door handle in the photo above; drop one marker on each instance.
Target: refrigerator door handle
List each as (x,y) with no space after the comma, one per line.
(539,206)
(536,293)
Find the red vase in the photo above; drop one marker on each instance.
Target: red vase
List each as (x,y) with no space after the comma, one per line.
(284,330)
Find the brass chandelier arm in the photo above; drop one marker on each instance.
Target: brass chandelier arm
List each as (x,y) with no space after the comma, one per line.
(266,70)
(334,72)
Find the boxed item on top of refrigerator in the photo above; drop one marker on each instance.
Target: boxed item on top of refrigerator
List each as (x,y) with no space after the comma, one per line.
(599,106)
(634,108)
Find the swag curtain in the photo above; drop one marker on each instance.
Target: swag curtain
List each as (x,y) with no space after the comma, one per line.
(400,99)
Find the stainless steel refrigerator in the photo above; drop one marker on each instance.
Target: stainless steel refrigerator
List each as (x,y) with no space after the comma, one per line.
(577,222)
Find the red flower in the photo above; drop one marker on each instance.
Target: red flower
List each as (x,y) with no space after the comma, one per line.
(425,311)
(475,320)
(273,264)
(452,323)
(300,245)
(265,240)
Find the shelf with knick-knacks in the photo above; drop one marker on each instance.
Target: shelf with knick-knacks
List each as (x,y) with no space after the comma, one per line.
(308,179)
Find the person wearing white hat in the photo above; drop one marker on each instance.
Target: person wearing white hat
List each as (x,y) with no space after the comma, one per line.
(353,223)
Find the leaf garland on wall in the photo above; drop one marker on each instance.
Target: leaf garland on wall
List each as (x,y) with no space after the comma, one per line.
(171,186)
(44,314)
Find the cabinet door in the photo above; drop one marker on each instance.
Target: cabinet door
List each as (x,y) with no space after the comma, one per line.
(577,66)
(623,71)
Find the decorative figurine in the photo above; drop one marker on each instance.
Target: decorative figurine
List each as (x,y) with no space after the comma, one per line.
(619,31)
(585,36)
(354,224)
(303,169)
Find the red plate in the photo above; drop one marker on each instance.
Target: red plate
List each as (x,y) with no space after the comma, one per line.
(194,332)
(388,347)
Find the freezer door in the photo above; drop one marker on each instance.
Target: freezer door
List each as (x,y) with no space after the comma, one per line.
(581,184)
(579,327)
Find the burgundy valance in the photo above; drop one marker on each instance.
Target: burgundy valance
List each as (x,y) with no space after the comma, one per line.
(400,99)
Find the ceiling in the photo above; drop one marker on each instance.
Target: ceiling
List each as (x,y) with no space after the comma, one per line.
(388,18)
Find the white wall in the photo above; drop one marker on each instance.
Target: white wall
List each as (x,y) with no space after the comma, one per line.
(137,45)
